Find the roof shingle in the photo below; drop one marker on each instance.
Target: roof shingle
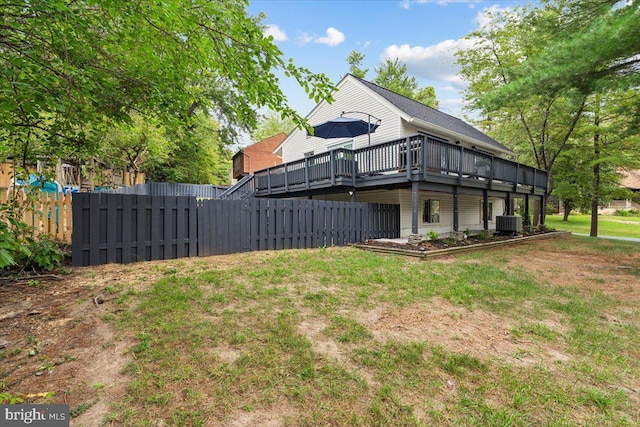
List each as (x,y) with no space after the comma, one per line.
(431,115)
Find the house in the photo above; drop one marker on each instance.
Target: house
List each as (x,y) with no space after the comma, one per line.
(257,156)
(445,174)
(629,179)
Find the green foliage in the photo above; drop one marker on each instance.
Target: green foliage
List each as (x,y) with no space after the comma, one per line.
(393,75)
(433,235)
(354,60)
(200,155)
(483,236)
(627,212)
(270,125)
(71,69)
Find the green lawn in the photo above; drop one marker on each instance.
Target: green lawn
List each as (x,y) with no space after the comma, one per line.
(296,338)
(607,225)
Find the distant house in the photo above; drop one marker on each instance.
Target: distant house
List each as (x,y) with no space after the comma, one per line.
(444,174)
(630,179)
(257,156)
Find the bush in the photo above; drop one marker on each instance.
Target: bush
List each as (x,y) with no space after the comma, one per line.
(483,236)
(627,212)
(433,235)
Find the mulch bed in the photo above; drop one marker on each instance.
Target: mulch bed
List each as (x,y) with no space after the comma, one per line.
(448,243)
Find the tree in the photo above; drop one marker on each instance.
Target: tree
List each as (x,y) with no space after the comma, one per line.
(570,55)
(393,75)
(136,146)
(537,127)
(594,47)
(200,155)
(68,68)
(354,60)
(272,124)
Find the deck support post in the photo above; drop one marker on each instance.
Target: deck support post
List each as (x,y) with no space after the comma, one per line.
(286,178)
(527,220)
(485,210)
(456,223)
(543,209)
(415,204)
(509,204)
(408,161)
(352,193)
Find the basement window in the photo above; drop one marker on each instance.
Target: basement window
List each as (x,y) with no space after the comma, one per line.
(431,211)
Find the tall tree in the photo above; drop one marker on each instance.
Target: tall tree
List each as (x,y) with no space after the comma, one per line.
(583,51)
(354,60)
(272,124)
(201,155)
(67,67)
(537,127)
(593,47)
(393,75)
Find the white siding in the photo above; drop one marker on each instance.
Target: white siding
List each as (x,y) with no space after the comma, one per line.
(352,96)
(374,196)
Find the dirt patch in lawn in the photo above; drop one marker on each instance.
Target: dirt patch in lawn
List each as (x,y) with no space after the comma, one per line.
(54,336)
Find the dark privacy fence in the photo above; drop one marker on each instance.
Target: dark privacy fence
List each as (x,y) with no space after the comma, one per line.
(127,228)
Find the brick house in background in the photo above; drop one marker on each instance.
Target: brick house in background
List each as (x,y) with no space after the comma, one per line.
(257,156)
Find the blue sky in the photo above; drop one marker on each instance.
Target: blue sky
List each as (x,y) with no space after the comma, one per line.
(319,34)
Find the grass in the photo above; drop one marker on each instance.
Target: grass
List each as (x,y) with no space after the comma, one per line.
(608,225)
(285,334)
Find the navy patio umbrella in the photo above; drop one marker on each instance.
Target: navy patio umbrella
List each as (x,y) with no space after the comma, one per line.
(344,127)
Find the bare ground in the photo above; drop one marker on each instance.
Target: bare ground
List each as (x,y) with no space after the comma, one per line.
(53,336)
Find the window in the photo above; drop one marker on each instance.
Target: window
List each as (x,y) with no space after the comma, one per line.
(431,211)
(344,144)
(489,211)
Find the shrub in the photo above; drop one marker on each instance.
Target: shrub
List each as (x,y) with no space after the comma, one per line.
(433,235)
(483,236)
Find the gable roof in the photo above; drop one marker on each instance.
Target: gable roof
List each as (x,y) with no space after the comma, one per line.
(631,179)
(267,145)
(431,115)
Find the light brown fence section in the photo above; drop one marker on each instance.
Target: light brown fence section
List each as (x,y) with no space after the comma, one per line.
(46,213)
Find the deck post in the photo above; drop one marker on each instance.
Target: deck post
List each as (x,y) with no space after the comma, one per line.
(352,193)
(509,204)
(460,165)
(286,178)
(492,173)
(533,187)
(269,180)
(415,203)
(332,159)
(456,223)
(408,161)
(527,220)
(306,172)
(424,142)
(485,209)
(543,209)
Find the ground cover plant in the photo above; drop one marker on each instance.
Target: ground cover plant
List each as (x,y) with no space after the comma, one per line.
(608,225)
(542,333)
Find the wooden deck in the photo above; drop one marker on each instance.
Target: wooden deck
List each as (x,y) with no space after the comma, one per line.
(398,163)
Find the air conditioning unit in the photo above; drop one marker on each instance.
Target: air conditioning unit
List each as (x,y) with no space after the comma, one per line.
(509,224)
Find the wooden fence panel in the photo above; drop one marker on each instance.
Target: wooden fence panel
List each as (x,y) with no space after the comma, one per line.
(49,214)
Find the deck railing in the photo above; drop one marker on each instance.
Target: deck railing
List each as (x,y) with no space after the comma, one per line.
(422,154)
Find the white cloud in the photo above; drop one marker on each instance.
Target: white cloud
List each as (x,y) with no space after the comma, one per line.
(304,38)
(333,38)
(435,62)
(278,34)
(485,17)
